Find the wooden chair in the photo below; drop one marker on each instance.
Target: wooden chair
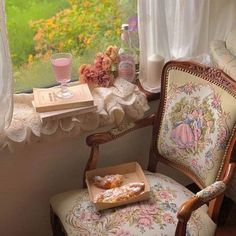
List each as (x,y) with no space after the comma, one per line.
(193,132)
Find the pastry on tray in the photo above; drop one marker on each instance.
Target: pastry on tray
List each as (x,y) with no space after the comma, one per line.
(119,194)
(108,181)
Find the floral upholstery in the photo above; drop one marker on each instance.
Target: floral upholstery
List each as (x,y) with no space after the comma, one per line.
(211,191)
(196,125)
(157,216)
(223,54)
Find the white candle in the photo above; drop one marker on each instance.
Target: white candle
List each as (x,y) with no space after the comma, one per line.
(154,70)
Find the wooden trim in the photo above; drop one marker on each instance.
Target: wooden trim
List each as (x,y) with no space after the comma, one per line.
(187,208)
(214,208)
(212,74)
(222,80)
(184,215)
(229,173)
(57,226)
(97,139)
(214,205)
(104,137)
(183,169)
(181,229)
(92,162)
(195,202)
(228,157)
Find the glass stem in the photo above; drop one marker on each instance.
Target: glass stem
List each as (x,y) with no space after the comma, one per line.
(64,87)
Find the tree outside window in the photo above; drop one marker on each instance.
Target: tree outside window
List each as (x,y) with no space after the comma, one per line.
(38,28)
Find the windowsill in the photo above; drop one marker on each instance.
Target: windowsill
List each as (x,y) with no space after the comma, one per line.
(150,96)
(123,101)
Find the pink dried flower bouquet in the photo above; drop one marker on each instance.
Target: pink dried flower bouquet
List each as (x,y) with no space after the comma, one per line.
(102,72)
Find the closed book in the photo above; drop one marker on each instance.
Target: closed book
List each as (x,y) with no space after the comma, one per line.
(55,115)
(45,99)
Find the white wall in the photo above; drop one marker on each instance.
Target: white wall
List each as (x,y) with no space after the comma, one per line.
(33,173)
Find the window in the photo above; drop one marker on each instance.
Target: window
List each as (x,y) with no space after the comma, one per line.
(37,28)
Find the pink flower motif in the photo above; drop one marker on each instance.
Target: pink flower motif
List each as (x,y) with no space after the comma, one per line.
(194,162)
(89,215)
(168,218)
(145,220)
(216,102)
(188,88)
(222,135)
(121,232)
(129,209)
(164,195)
(149,209)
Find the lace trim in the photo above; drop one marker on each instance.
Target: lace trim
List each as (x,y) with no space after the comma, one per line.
(122,101)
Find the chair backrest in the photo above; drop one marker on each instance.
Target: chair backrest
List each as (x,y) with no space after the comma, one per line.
(195,126)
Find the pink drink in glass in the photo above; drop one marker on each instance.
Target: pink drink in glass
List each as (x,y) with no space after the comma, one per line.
(62,69)
(61,64)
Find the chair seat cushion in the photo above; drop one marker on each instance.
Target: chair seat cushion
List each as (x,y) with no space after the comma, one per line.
(157,216)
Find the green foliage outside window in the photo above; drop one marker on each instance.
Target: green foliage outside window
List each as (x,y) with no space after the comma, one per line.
(85,24)
(37,28)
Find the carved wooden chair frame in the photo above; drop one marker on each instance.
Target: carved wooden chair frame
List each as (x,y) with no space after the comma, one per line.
(213,75)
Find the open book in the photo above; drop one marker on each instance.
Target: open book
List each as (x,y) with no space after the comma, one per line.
(45,99)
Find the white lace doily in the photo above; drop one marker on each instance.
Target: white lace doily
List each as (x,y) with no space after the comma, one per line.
(122,101)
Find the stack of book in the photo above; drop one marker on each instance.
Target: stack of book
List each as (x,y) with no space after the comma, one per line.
(51,107)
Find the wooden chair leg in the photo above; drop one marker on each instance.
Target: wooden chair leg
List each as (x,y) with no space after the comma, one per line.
(55,223)
(180,229)
(225,210)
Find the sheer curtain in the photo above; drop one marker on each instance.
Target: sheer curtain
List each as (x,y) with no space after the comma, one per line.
(6,93)
(182,28)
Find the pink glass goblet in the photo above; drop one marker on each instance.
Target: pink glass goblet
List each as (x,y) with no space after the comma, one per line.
(61,64)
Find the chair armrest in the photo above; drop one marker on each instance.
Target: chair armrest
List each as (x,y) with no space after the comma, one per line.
(94,140)
(205,196)
(202,197)
(104,137)
(212,191)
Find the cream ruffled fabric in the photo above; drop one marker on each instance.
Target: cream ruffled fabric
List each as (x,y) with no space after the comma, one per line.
(223,54)
(122,101)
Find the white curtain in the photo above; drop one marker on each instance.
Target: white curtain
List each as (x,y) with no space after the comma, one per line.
(6,93)
(182,28)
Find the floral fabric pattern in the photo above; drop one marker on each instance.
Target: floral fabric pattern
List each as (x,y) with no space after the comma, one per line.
(195,129)
(211,191)
(157,216)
